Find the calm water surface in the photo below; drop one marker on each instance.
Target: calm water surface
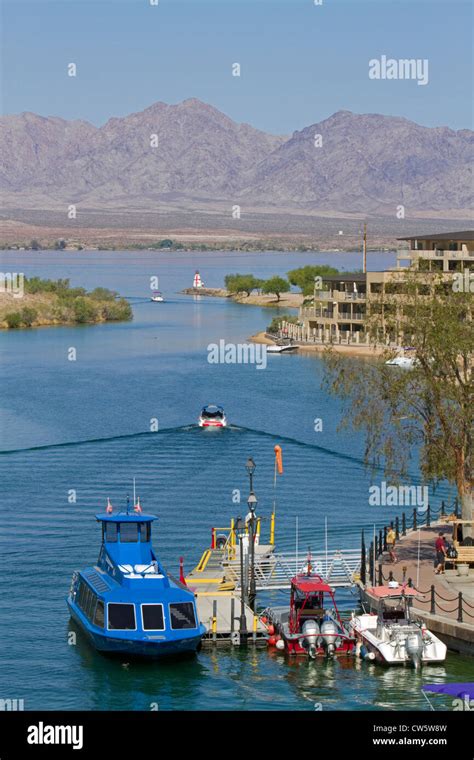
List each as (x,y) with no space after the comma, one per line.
(156,367)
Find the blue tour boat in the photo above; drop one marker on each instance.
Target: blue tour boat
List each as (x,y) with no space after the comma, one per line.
(127,603)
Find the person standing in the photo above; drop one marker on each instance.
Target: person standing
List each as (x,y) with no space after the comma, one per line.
(391,543)
(440,547)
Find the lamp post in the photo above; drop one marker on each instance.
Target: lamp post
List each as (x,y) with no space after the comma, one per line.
(243,619)
(252,503)
(250,467)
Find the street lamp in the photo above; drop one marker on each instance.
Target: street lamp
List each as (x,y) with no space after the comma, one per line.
(250,467)
(252,503)
(243,619)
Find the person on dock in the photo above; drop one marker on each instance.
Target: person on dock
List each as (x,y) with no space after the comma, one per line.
(440,546)
(391,543)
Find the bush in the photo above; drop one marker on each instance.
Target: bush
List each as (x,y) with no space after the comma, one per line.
(117,311)
(103,294)
(28,316)
(84,311)
(13,319)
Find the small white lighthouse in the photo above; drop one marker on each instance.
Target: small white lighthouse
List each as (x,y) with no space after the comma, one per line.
(197,282)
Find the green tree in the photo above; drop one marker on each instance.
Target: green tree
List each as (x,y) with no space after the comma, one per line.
(275,324)
(276,285)
(303,277)
(34,245)
(241,283)
(428,409)
(59,245)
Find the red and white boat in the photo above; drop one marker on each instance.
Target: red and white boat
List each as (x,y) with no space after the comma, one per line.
(212,416)
(312,626)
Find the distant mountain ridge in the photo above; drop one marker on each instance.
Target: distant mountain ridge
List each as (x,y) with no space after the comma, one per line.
(359,163)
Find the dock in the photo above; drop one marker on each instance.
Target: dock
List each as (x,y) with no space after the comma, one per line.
(219,602)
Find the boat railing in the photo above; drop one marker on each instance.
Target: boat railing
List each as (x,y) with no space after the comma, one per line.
(339,568)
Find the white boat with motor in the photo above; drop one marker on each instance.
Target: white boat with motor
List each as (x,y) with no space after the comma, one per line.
(157,297)
(403,360)
(274,348)
(391,635)
(212,416)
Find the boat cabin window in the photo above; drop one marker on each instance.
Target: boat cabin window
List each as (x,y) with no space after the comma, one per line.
(182,615)
(152,617)
(144,531)
(86,600)
(128,533)
(99,614)
(121,617)
(111,532)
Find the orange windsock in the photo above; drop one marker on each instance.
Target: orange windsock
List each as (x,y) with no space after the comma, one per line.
(278,459)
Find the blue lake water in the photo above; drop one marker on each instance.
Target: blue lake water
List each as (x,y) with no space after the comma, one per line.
(124,376)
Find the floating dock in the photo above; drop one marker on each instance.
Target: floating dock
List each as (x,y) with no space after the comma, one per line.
(219,601)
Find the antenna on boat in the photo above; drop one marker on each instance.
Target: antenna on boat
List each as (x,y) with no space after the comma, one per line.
(296,541)
(134,493)
(326,542)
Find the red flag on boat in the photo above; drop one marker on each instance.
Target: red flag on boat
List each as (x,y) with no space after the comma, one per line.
(138,507)
(278,460)
(109,508)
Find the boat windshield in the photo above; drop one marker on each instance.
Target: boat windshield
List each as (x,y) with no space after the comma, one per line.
(212,414)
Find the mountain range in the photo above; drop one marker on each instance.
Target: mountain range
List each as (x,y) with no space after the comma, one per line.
(192,153)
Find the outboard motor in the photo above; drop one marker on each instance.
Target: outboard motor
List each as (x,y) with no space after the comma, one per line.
(311,633)
(414,648)
(329,631)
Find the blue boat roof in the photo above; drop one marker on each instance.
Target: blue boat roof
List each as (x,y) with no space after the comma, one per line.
(124,517)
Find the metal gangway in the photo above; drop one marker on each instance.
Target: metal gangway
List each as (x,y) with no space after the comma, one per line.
(274,571)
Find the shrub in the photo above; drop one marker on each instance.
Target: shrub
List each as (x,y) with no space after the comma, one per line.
(28,316)
(274,325)
(13,319)
(84,311)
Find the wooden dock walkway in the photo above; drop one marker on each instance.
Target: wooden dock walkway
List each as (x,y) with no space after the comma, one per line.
(219,602)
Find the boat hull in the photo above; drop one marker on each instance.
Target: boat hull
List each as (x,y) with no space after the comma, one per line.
(136,647)
(387,654)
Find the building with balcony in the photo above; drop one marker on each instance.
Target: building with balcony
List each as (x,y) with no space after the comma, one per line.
(339,309)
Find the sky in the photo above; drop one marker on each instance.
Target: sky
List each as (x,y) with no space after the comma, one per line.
(299,61)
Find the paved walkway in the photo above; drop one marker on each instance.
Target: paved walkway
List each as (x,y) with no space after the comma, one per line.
(423,576)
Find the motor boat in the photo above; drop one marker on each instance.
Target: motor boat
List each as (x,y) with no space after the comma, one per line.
(212,416)
(401,361)
(126,603)
(275,348)
(390,635)
(157,296)
(309,627)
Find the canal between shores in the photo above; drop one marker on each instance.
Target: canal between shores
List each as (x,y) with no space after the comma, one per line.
(155,368)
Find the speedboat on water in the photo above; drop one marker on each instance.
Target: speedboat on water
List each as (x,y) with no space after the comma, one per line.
(126,603)
(309,627)
(275,348)
(390,635)
(212,416)
(157,296)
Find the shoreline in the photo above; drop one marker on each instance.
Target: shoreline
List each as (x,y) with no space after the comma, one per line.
(287,300)
(319,348)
